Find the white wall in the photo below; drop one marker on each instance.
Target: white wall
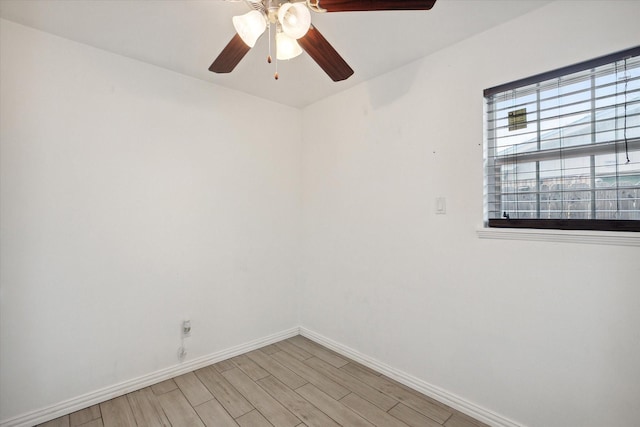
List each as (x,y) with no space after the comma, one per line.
(132,197)
(545,334)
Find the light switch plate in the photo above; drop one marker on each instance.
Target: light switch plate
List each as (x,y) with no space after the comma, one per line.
(441,206)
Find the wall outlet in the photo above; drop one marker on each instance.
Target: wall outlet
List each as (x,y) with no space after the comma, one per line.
(186,328)
(182,353)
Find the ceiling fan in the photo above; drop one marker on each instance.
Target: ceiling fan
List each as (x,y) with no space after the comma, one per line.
(295,33)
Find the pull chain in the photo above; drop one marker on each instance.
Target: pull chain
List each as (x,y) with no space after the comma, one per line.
(626,141)
(269,56)
(276,76)
(269,25)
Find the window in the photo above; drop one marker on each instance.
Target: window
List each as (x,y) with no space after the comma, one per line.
(563,148)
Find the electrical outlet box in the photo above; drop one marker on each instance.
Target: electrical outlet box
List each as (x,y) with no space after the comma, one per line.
(182,353)
(186,328)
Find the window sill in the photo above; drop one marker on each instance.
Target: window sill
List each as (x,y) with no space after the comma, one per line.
(616,238)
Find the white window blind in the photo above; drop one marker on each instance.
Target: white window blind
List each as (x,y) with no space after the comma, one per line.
(563,148)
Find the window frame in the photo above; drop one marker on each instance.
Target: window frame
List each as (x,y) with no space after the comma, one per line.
(615,225)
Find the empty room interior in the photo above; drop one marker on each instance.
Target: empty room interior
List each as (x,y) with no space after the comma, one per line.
(165,227)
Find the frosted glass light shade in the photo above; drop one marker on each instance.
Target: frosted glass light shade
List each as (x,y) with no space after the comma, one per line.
(295,19)
(250,26)
(286,47)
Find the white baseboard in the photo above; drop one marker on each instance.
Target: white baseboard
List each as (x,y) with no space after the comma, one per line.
(68,406)
(446,397)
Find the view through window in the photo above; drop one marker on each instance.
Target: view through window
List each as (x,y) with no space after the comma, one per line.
(563,148)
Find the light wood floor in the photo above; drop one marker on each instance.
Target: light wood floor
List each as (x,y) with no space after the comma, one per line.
(294,382)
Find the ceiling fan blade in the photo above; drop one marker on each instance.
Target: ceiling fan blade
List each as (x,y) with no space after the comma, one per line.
(325,55)
(230,56)
(368,5)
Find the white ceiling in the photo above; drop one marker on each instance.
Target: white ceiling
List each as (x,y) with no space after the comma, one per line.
(186,35)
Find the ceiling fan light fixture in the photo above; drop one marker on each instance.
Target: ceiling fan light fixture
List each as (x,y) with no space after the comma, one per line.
(286,47)
(295,19)
(250,26)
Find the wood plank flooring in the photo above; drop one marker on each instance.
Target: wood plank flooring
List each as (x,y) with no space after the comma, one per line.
(292,383)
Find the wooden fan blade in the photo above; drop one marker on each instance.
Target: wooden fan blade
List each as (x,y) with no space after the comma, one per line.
(367,5)
(230,56)
(325,55)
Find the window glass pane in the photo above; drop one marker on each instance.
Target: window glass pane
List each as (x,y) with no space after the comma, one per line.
(519,190)
(618,184)
(565,186)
